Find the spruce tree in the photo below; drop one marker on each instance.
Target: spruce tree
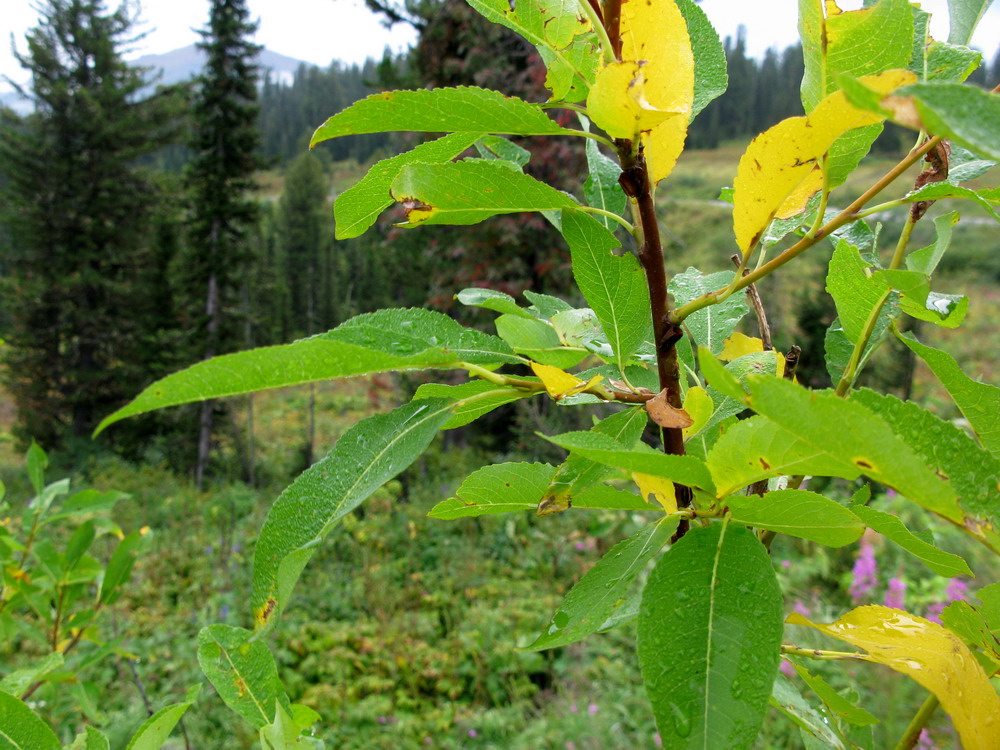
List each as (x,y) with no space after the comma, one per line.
(224,159)
(79,215)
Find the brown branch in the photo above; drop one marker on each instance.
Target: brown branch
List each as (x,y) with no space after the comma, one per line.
(613,25)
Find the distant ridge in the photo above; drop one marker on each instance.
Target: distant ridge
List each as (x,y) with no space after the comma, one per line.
(182,64)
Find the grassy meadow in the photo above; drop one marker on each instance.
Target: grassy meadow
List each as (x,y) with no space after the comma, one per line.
(404,631)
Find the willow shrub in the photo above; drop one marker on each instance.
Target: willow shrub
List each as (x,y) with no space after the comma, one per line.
(628,80)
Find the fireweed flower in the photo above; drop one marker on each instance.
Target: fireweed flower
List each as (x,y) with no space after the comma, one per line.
(896,592)
(957,591)
(865,573)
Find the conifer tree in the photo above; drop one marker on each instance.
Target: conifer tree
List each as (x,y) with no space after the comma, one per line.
(224,159)
(79,214)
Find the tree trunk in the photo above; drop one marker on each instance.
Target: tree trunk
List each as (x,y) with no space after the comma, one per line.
(207,407)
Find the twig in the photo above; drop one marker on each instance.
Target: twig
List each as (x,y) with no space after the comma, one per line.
(758,306)
(919,722)
(846,216)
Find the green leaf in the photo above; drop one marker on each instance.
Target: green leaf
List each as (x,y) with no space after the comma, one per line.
(798,513)
(613,285)
(947,449)
(577,473)
(926,259)
(79,542)
(850,435)
(964,165)
(855,43)
(19,680)
(497,396)
(838,704)
(560,33)
(242,671)
(119,567)
(520,487)
(790,702)
(88,502)
(464,109)
(545,305)
(837,351)
(467,192)
(968,623)
(401,339)
(986,199)
(685,470)
(951,62)
(495,147)
(979,402)
(37,462)
(357,208)
(369,454)
(155,730)
(604,587)
(847,152)
(490,299)
(413,332)
(499,488)
(854,292)
(712,325)
(756,448)
(539,341)
(601,189)
(964,16)
(709,638)
(91,739)
(943,563)
(959,112)
(710,77)
(21,729)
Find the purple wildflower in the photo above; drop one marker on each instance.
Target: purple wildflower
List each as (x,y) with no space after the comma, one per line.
(580,546)
(801,608)
(592,709)
(925,742)
(934,612)
(896,592)
(473,733)
(865,573)
(657,740)
(787,669)
(786,564)
(957,590)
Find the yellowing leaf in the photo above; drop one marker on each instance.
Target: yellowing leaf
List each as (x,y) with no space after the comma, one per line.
(781,159)
(931,655)
(699,405)
(739,344)
(617,101)
(663,146)
(560,383)
(649,94)
(661,489)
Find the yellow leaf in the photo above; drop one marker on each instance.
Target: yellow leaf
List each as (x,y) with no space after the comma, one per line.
(699,405)
(739,344)
(560,383)
(648,95)
(781,159)
(663,146)
(660,488)
(931,655)
(617,101)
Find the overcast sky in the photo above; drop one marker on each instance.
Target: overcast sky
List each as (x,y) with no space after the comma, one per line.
(319,31)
